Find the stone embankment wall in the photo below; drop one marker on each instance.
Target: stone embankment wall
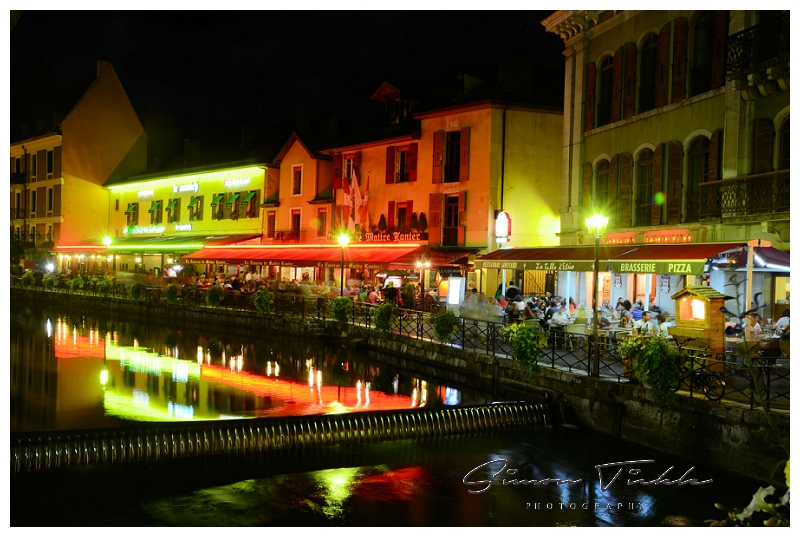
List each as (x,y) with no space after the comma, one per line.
(706,433)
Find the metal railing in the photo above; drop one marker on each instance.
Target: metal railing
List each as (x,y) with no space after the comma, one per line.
(763,193)
(758,44)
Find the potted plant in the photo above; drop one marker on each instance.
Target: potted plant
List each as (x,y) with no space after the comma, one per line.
(383,317)
(264,300)
(135,290)
(341,306)
(50,283)
(172,292)
(214,296)
(445,324)
(655,362)
(104,286)
(28,280)
(527,340)
(76,283)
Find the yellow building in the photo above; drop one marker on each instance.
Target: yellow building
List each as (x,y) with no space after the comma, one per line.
(60,160)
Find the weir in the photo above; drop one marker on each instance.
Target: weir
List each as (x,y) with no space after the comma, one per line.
(37,452)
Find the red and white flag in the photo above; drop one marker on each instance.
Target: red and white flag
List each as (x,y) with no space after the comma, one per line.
(362,207)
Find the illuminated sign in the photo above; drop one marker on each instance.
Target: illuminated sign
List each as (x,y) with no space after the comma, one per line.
(143,230)
(189,187)
(183,227)
(389,237)
(145,193)
(620,238)
(240,181)
(667,236)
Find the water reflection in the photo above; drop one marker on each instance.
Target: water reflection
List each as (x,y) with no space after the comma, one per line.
(78,372)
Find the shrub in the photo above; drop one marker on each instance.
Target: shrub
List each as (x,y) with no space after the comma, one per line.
(50,283)
(104,286)
(526,339)
(657,364)
(28,280)
(264,300)
(172,292)
(135,290)
(341,306)
(383,317)
(214,296)
(76,283)
(445,324)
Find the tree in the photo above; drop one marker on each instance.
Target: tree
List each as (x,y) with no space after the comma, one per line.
(414,225)
(382,224)
(423,223)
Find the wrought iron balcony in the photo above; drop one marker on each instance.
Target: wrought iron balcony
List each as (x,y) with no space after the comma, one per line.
(290,236)
(758,44)
(762,194)
(17,214)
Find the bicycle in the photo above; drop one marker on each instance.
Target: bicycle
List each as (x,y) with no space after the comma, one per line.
(710,383)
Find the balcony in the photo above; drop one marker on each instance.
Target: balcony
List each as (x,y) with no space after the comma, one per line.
(753,195)
(17,214)
(750,48)
(290,236)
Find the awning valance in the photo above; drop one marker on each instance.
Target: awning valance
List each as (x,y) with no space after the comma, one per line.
(233,199)
(131,208)
(572,258)
(217,199)
(171,204)
(154,207)
(670,258)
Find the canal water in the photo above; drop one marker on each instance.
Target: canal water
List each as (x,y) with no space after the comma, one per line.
(64,366)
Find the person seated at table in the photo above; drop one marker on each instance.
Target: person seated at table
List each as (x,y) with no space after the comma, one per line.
(493,308)
(654,309)
(782,324)
(606,310)
(636,312)
(754,325)
(502,302)
(644,326)
(373,296)
(560,317)
(581,315)
(625,319)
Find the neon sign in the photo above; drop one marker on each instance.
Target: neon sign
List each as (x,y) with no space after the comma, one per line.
(140,230)
(240,181)
(189,187)
(183,227)
(145,193)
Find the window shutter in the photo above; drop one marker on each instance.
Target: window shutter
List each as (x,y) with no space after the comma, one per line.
(679,59)
(662,75)
(718,61)
(616,96)
(41,165)
(462,217)
(435,220)
(390,217)
(591,85)
(613,194)
(714,146)
(390,165)
(337,171)
(625,184)
(412,163)
(764,139)
(57,200)
(463,174)
(629,105)
(41,199)
(674,183)
(658,172)
(587,188)
(409,210)
(357,158)
(438,144)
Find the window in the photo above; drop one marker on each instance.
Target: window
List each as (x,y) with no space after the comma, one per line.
(155,212)
(450,229)
(452,164)
(606,91)
(644,189)
(174,210)
(703,53)
(132,214)
(271,218)
(116,204)
(322,222)
(33,166)
(647,83)
(18,166)
(402,217)
(49,199)
(50,162)
(250,204)
(295,224)
(699,155)
(401,165)
(233,205)
(196,208)
(217,206)
(601,188)
(18,205)
(783,157)
(297,180)
(33,204)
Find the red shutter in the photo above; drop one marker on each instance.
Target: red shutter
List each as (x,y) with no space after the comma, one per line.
(762,154)
(463,174)
(718,60)
(714,146)
(591,83)
(674,183)
(658,171)
(409,210)
(629,105)
(357,158)
(587,188)
(390,217)
(390,165)
(412,163)
(435,219)
(462,217)
(613,194)
(438,144)
(679,60)
(616,96)
(337,171)
(625,187)
(662,73)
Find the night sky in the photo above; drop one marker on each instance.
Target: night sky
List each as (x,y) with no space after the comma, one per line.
(213,69)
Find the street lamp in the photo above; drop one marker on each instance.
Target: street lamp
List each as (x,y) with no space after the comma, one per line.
(107,242)
(596,225)
(344,240)
(423,265)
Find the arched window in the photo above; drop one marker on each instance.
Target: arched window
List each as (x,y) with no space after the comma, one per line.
(703,53)
(601,187)
(698,174)
(606,89)
(647,83)
(783,157)
(644,188)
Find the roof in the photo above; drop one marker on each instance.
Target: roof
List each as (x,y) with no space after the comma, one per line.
(701,291)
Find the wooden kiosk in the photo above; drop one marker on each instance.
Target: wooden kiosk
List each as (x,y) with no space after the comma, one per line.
(697,316)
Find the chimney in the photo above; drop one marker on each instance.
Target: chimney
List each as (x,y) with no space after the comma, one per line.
(101,66)
(191,149)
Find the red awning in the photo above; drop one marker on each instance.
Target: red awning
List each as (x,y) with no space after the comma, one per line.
(574,258)
(305,255)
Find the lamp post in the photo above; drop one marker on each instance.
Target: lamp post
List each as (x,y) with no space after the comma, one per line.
(344,240)
(107,242)
(423,265)
(596,225)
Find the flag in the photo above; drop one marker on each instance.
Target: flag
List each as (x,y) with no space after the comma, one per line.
(347,200)
(356,200)
(362,208)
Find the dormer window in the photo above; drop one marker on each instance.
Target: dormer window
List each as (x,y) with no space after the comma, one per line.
(396,110)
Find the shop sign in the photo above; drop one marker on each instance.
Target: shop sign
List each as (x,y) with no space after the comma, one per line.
(659,267)
(239,181)
(143,230)
(189,187)
(395,236)
(183,227)
(142,194)
(450,272)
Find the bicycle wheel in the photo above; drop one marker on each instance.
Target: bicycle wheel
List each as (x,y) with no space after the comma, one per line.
(713,386)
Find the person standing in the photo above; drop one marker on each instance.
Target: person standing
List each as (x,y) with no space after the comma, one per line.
(390,293)
(512,291)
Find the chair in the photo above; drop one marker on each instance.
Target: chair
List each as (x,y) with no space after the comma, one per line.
(575,332)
